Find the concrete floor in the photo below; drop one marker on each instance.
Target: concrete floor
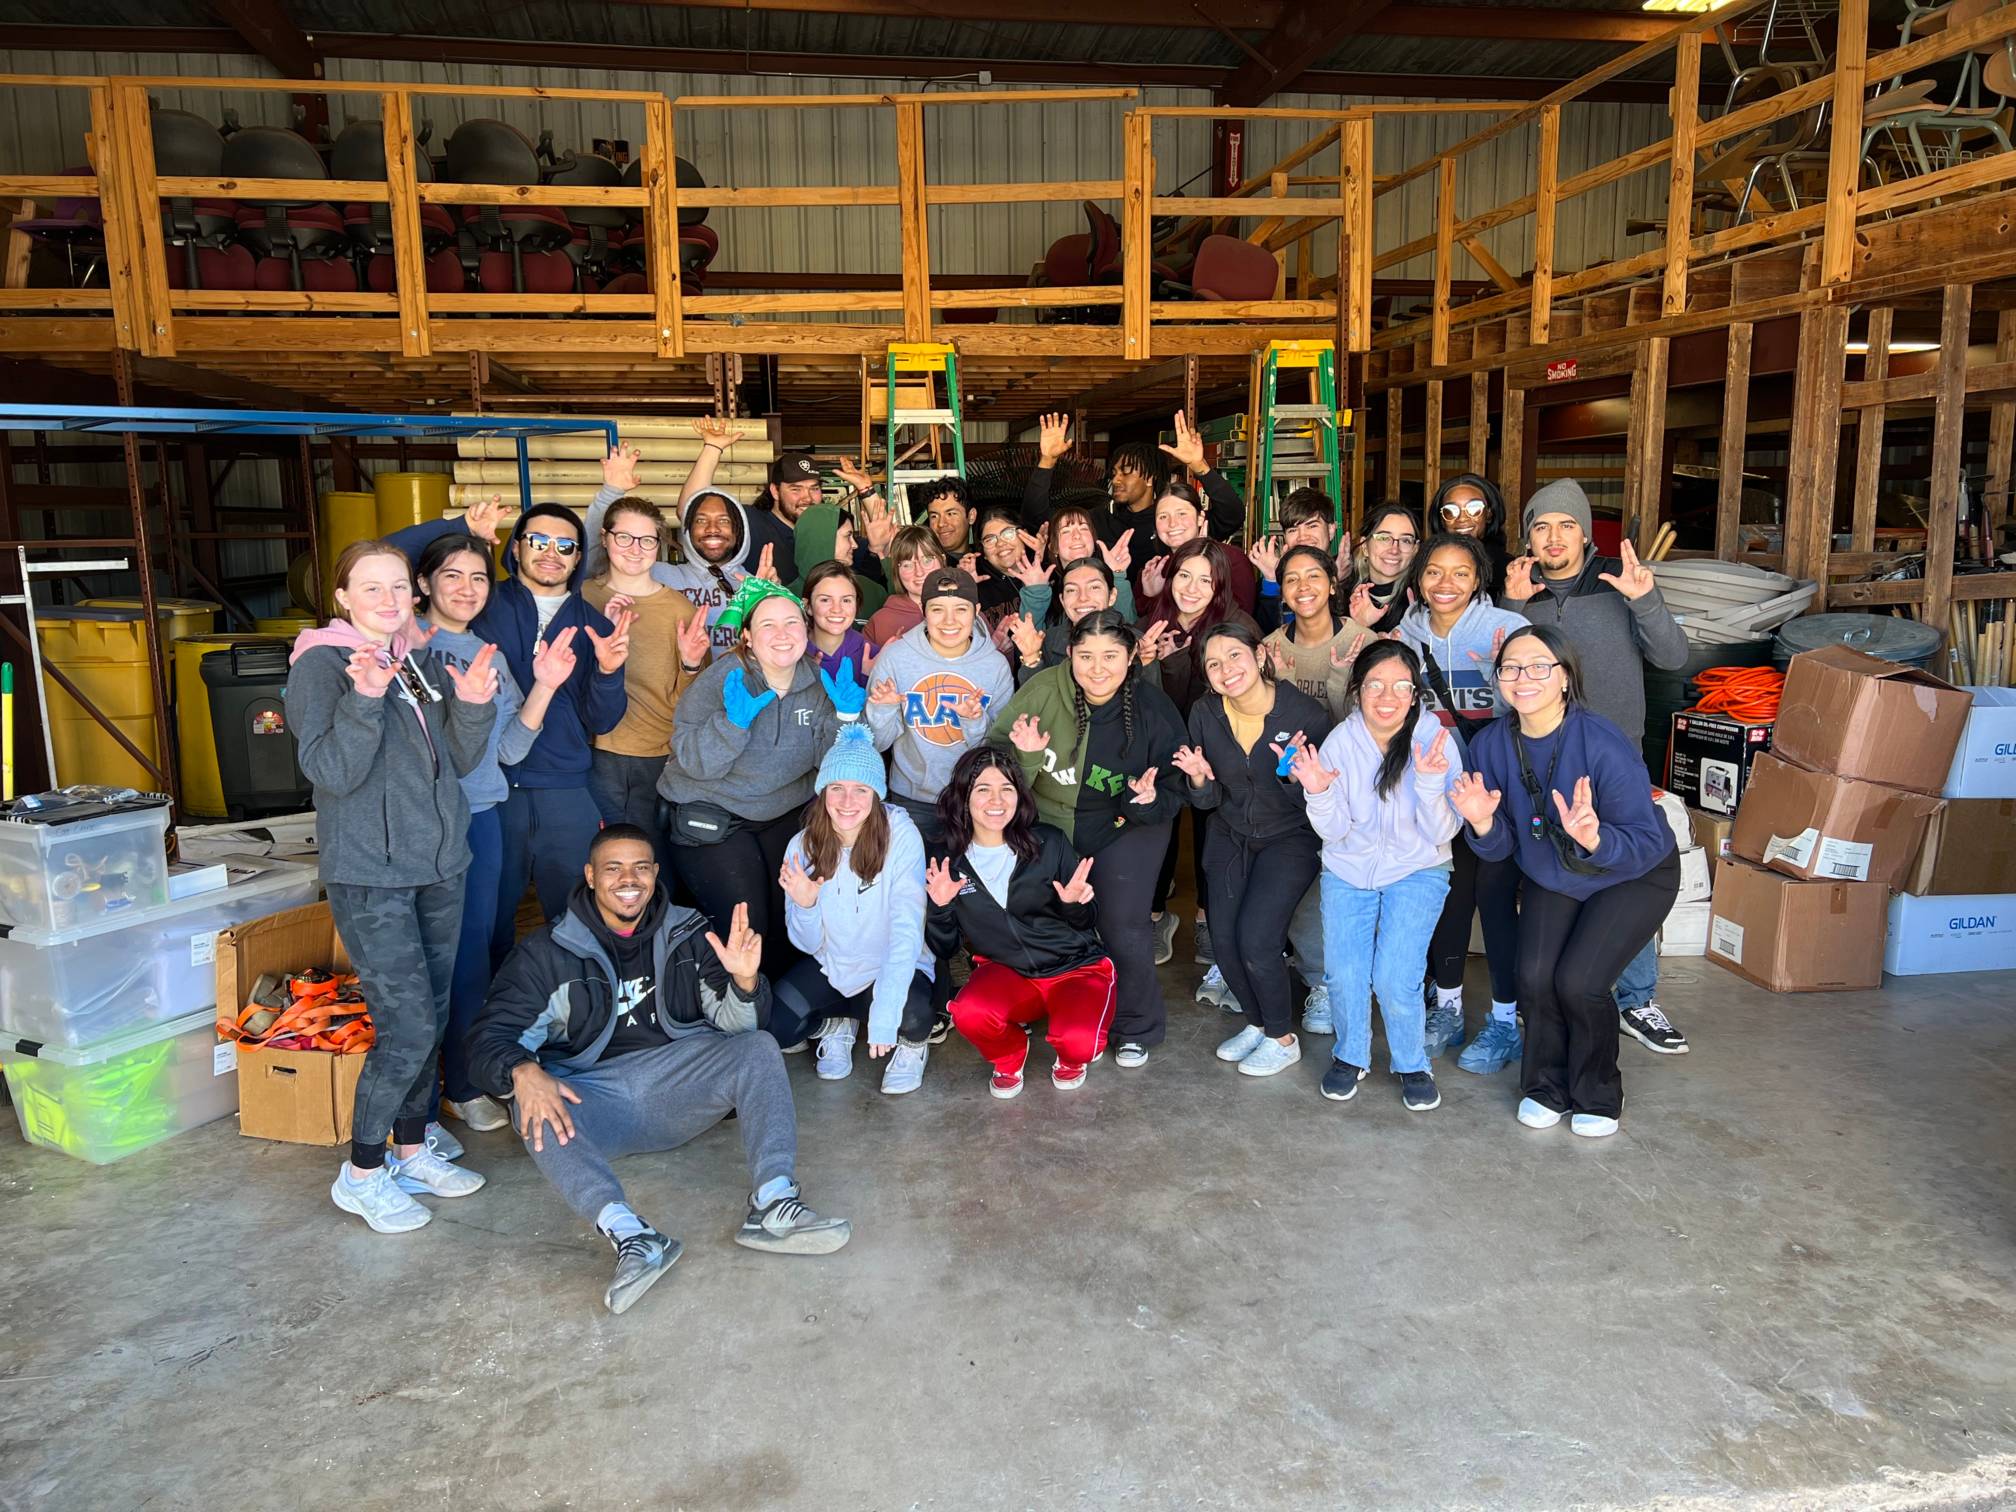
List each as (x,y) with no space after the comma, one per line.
(1789,1283)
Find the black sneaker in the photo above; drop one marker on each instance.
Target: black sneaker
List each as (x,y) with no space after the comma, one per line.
(1652,1029)
(788,1227)
(1340,1082)
(1418,1091)
(640,1260)
(941,1028)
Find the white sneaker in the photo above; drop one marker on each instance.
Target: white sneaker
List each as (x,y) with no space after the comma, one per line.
(428,1172)
(483,1114)
(1242,1044)
(1130,1055)
(1270,1056)
(1214,988)
(379,1202)
(444,1144)
(1316,1011)
(1537,1115)
(836,1054)
(906,1068)
(1592,1125)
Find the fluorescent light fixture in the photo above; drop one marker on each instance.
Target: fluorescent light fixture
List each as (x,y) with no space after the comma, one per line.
(1897,348)
(1685,7)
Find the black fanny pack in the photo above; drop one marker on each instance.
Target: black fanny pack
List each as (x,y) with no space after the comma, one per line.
(702,823)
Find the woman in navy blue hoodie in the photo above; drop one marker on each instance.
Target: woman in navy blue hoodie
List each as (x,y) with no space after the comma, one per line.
(1564,791)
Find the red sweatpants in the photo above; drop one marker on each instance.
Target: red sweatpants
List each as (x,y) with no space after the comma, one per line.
(995,1003)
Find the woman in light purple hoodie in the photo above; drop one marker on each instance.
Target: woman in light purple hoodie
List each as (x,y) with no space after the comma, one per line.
(1379,801)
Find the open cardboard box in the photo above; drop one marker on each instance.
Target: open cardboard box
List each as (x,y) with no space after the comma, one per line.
(300,1096)
(1856,715)
(1821,827)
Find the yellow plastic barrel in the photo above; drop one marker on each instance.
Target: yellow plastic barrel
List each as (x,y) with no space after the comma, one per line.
(179,617)
(289,625)
(409,498)
(104,652)
(195,735)
(346,517)
(301,597)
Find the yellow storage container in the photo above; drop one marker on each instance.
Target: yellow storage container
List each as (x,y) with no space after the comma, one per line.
(346,517)
(301,598)
(409,498)
(289,625)
(179,617)
(104,652)
(195,735)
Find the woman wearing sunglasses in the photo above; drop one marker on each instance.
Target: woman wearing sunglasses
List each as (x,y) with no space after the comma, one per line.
(1562,790)
(1470,505)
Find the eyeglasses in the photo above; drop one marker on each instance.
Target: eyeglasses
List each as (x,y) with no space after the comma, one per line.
(999,538)
(1387,538)
(1378,689)
(1531,671)
(630,542)
(565,546)
(1471,507)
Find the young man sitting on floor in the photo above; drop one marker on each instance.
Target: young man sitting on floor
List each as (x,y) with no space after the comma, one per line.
(627,1026)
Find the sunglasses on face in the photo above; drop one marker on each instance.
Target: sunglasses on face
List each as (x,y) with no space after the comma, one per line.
(564,546)
(1474,508)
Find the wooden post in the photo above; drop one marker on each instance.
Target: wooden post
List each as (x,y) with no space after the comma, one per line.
(1735,434)
(1511,458)
(1815,444)
(1361,437)
(916,236)
(133,154)
(1190,388)
(1869,433)
(1546,197)
(1645,442)
(2001,432)
(1445,255)
(1136,217)
(1395,399)
(409,254)
(1431,441)
(1685,110)
(1354,236)
(1844,148)
(122,251)
(1949,411)
(1480,421)
(1255,421)
(661,231)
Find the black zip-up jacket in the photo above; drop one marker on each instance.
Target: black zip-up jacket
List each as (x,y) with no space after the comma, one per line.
(1253,804)
(554,999)
(1224,519)
(1037,934)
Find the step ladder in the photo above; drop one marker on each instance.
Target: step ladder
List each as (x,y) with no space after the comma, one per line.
(1292,445)
(916,419)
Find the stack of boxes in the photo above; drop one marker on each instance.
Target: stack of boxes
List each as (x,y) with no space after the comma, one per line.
(1685,932)
(1832,819)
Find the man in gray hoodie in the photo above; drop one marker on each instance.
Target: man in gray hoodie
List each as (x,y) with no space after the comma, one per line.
(1612,612)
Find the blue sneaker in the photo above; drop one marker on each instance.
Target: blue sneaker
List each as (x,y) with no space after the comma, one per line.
(1444,1029)
(1497,1046)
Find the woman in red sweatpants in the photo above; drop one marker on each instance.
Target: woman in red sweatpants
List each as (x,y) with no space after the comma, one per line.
(1022,900)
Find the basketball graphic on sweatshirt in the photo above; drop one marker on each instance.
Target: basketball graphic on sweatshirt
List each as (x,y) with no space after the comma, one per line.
(928,707)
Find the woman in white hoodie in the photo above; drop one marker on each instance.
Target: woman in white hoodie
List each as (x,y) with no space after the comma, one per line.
(853,881)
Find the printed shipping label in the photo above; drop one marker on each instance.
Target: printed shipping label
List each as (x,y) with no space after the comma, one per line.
(1844,860)
(1725,938)
(1798,849)
(223,1059)
(203,948)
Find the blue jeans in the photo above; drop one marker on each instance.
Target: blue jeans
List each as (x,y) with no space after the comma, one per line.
(547,832)
(1374,940)
(471,983)
(1640,979)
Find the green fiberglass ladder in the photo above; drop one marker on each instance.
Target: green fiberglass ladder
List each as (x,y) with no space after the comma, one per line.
(1293,445)
(914,427)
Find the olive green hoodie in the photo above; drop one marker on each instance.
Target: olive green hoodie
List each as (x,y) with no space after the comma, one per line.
(813,544)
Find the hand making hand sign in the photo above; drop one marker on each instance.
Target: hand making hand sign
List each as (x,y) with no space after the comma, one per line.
(613,649)
(1579,818)
(742,954)
(553,661)
(1192,763)
(478,684)
(1027,735)
(1079,888)
(1475,802)
(799,885)
(1189,447)
(1633,578)
(940,884)
(371,670)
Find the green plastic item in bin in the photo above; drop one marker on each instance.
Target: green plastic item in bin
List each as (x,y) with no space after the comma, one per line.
(106,1101)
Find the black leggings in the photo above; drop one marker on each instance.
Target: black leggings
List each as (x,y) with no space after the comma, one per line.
(1251,892)
(1123,882)
(1489,888)
(802,998)
(1570,953)
(1165,880)
(743,869)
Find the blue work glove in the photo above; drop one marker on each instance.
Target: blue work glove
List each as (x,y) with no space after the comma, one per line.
(740,704)
(848,693)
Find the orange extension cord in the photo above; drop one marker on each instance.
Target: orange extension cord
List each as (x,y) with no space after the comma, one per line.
(1746,693)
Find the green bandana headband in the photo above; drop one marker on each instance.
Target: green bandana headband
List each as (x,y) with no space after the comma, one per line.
(752,592)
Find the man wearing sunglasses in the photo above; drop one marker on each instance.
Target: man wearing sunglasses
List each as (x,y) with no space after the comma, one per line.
(1611,610)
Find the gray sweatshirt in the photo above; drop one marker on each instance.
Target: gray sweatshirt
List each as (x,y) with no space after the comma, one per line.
(759,773)
(1614,636)
(390,810)
(926,731)
(510,741)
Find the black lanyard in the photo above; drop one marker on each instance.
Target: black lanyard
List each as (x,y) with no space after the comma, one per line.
(1542,824)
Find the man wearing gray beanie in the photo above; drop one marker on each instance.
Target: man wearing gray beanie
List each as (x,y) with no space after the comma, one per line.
(1611,610)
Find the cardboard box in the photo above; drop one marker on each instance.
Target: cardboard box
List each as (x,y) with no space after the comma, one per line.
(1791,936)
(1856,715)
(1969,848)
(300,1096)
(1685,932)
(1985,764)
(1972,933)
(1711,758)
(1826,828)
(1711,833)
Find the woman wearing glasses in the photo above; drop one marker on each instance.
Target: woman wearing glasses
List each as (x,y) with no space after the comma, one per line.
(1562,790)
(1377,596)
(1378,798)
(1470,505)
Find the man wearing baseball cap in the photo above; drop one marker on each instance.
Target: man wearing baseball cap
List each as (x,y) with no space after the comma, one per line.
(795,486)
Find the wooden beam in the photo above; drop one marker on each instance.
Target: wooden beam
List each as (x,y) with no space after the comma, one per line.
(1546,202)
(1735,432)
(1308,31)
(1354,237)
(409,252)
(2001,430)
(1431,442)
(1480,425)
(1493,269)
(272,34)
(1645,442)
(1136,234)
(1815,444)
(1511,460)
(1445,257)
(1685,111)
(1391,479)
(661,229)
(1942,524)
(133,148)
(1869,433)
(916,236)
(1844,153)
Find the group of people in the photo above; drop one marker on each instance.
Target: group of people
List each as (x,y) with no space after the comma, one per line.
(769,794)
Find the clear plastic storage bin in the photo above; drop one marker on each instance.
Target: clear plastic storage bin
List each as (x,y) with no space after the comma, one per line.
(81,986)
(75,863)
(103,1102)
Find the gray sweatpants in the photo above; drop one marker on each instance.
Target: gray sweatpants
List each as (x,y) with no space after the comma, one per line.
(658,1099)
(402,943)
(1305,934)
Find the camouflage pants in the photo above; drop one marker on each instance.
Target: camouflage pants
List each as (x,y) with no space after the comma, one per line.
(402,944)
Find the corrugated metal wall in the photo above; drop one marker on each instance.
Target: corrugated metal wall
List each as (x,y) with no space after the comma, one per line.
(42,131)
